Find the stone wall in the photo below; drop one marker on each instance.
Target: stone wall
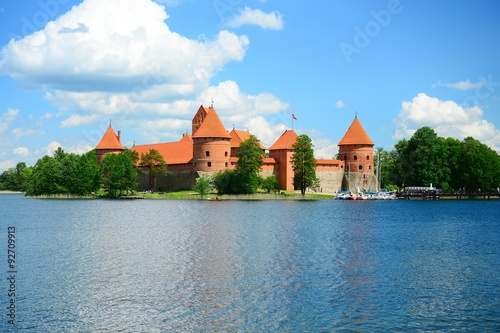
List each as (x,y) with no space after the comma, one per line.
(175,180)
(359,181)
(330,181)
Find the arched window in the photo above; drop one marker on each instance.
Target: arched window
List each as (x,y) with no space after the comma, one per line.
(360,167)
(207,153)
(355,157)
(209,164)
(367,157)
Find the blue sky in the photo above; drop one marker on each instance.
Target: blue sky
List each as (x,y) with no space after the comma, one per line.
(67,67)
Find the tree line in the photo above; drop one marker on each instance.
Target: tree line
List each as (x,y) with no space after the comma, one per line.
(447,163)
(424,159)
(81,175)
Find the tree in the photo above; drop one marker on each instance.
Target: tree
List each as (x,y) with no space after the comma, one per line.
(480,166)
(250,160)
(118,174)
(222,181)
(270,183)
(304,164)
(155,163)
(203,185)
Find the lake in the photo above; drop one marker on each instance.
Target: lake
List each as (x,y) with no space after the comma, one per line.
(251,266)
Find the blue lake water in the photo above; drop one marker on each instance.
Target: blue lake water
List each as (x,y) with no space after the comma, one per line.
(243,266)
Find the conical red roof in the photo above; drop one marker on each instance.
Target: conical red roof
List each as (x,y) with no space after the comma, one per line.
(285,141)
(356,135)
(211,127)
(110,140)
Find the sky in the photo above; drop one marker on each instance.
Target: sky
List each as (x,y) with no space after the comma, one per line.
(70,67)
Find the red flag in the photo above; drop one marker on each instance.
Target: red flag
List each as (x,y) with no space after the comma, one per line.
(293,117)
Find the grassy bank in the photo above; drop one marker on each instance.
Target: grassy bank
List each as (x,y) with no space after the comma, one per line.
(285,195)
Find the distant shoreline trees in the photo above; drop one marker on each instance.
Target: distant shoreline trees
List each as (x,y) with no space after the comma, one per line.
(449,164)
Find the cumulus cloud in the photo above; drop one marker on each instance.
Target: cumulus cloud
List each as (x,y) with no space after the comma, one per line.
(117,46)
(4,165)
(324,148)
(21,151)
(266,132)
(49,149)
(339,104)
(7,118)
(462,85)
(248,16)
(447,118)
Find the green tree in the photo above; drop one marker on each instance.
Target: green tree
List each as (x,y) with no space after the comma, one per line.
(222,181)
(480,166)
(118,174)
(270,184)
(203,185)
(304,164)
(250,160)
(155,163)
(422,159)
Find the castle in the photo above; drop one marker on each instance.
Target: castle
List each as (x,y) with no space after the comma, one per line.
(211,148)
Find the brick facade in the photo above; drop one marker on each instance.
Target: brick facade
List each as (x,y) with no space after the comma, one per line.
(210,148)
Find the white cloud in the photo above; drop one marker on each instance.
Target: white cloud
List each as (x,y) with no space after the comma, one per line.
(339,104)
(447,118)
(266,132)
(20,132)
(272,21)
(117,46)
(7,118)
(462,85)
(49,149)
(77,120)
(324,148)
(21,151)
(4,165)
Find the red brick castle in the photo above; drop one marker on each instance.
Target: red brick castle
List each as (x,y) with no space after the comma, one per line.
(211,148)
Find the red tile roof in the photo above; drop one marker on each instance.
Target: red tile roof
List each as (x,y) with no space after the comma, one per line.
(238,136)
(356,135)
(211,127)
(180,152)
(285,141)
(326,161)
(110,140)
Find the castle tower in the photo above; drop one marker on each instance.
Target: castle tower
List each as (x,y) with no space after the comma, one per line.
(211,142)
(356,150)
(110,143)
(282,151)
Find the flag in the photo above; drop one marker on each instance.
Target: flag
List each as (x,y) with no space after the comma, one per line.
(293,117)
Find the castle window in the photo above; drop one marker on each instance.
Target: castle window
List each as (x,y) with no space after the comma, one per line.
(225,153)
(209,164)
(367,157)
(345,157)
(195,164)
(369,167)
(360,167)
(207,153)
(226,164)
(355,157)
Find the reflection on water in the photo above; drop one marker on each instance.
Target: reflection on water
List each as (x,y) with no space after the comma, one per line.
(199,266)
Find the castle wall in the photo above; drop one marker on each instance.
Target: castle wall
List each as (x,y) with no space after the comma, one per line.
(175,180)
(330,180)
(359,181)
